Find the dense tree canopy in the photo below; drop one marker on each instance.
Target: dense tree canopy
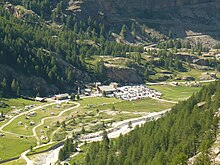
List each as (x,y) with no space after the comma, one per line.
(33,47)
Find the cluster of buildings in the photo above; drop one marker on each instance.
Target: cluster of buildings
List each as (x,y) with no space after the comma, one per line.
(129,93)
(136,92)
(132,92)
(18,111)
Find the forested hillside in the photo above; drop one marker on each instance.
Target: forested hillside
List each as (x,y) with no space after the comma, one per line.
(29,46)
(188,129)
(51,46)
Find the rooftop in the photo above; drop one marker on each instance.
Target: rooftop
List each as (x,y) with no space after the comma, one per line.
(107,88)
(62,95)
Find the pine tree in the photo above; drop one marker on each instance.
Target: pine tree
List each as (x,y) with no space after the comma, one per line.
(105,140)
(123,31)
(83,131)
(61,155)
(129,124)
(3,86)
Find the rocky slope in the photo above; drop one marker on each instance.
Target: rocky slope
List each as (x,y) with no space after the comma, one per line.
(194,20)
(122,74)
(131,7)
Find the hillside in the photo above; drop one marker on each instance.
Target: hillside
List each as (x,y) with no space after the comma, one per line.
(183,18)
(48,46)
(35,53)
(189,129)
(110,82)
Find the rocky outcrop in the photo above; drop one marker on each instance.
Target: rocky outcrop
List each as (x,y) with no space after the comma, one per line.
(132,8)
(194,20)
(19,12)
(122,74)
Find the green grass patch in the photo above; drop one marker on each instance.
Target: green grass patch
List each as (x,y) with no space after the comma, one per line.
(15,162)
(13,146)
(17,103)
(144,105)
(175,93)
(97,101)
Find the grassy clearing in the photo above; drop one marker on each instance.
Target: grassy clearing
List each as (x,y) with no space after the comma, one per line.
(144,105)
(175,74)
(13,146)
(175,93)
(18,103)
(15,162)
(194,73)
(97,101)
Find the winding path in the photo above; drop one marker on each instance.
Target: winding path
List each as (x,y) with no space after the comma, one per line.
(23,155)
(23,113)
(50,117)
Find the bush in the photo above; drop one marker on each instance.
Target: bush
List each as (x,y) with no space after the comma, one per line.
(3,105)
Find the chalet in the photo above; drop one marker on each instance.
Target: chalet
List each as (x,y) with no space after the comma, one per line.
(40,99)
(107,89)
(1,134)
(20,123)
(217,56)
(43,137)
(114,85)
(201,104)
(87,91)
(33,113)
(208,55)
(98,84)
(32,123)
(62,96)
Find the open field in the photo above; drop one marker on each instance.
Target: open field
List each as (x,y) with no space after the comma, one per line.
(144,105)
(13,146)
(175,93)
(15,162)
(97,101)
(16,103)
